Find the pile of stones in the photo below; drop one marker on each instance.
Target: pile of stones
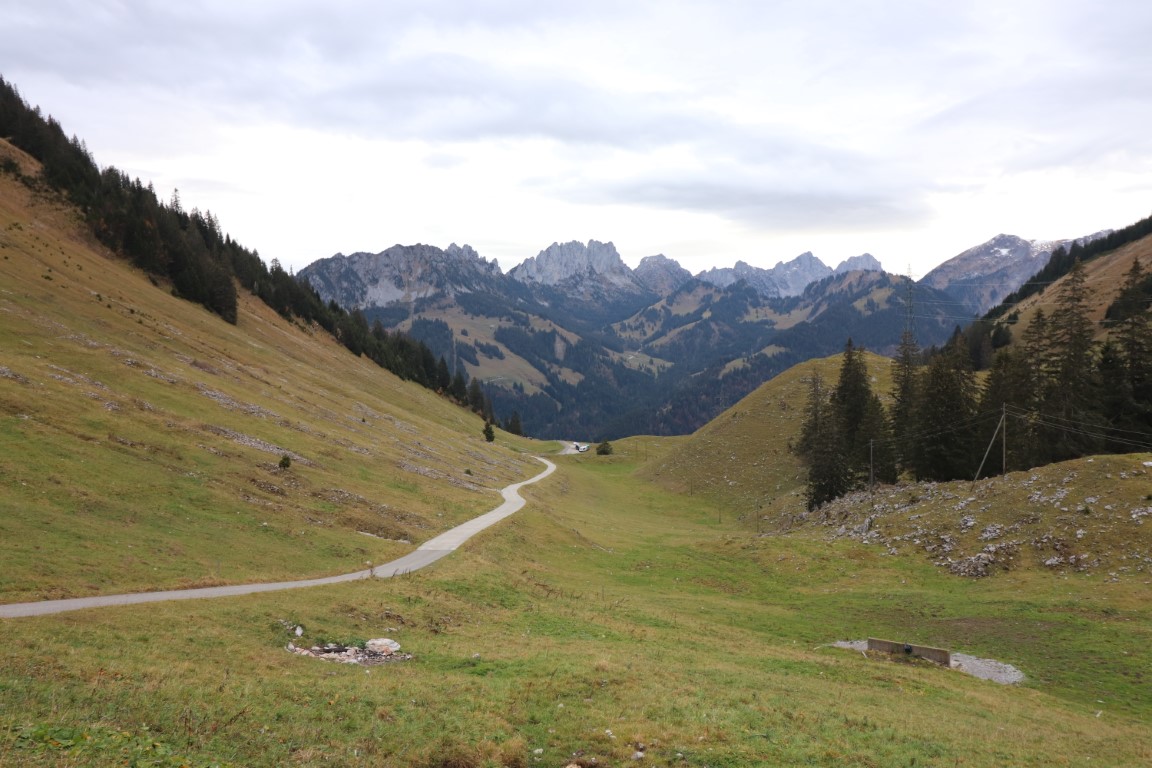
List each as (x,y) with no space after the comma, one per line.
(378,651)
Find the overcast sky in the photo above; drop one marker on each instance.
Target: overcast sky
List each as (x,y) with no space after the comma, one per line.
(710,131)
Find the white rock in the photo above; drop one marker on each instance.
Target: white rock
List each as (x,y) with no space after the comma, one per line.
(382,645)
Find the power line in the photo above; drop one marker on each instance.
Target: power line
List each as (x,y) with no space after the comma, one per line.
(1085,432)
(1023,413)
(968,423)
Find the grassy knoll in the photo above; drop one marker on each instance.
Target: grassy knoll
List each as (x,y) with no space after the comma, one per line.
(607,613)
(742,459)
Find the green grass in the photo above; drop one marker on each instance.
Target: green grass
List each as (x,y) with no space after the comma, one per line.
(604,606)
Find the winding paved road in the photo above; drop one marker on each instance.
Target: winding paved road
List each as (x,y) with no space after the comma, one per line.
(428,553)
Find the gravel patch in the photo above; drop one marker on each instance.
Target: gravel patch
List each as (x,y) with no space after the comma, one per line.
(985,669)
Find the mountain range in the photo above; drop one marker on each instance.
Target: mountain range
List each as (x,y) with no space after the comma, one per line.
(578,343)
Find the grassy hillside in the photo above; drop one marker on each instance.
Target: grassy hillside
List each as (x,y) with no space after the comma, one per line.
(141,437)
(1104,277)
(742,459)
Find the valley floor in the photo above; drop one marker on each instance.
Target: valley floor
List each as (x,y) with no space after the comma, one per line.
(606,619)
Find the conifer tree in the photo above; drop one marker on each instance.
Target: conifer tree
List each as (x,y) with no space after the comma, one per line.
(443,377)
(1036,374)
(877,440)
(820,448)
(944,446)
(850,399)
(476,397)
(860,419)
(1074,395)
(459,387)
(1125,414)
(1133,322)
(904,369)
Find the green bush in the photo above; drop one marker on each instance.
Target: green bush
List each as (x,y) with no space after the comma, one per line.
(604,449)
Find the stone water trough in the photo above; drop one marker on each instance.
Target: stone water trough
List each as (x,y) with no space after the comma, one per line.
(939,655)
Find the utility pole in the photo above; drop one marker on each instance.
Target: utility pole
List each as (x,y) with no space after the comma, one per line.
(871,470)
(1003,418)
(1004,439)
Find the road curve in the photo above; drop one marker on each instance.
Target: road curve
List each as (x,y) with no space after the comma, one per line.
(428,553)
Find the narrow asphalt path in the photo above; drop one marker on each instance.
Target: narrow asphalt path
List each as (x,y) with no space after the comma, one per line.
(428,553)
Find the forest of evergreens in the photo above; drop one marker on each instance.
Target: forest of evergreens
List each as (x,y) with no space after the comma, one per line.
(1056,395)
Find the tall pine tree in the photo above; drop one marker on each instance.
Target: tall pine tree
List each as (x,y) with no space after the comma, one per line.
(820,448)
(861,420)
(850,399)
(1071,405)
(1132,320)
(945,447)
(904,369)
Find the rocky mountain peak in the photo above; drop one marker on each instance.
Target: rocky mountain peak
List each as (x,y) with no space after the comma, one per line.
(401,273)
(560,262)
(865,262)
(468,253)
(661,274)
(795,275)
(763,281)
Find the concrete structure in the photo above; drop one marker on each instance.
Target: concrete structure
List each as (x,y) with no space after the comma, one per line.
(938,655)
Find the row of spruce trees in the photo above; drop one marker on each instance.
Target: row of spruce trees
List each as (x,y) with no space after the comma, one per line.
(202,263)
(1055,395)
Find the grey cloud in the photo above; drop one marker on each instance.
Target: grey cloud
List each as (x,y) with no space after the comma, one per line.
(770,207)
(207,44)
(451,98)
(332,69)
(338,67)
(343,67)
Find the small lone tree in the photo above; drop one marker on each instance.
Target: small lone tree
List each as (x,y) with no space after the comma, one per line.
(285,461)
(604,449)
(489,433)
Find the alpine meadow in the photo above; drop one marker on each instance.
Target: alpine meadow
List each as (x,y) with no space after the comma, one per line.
(177,414)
